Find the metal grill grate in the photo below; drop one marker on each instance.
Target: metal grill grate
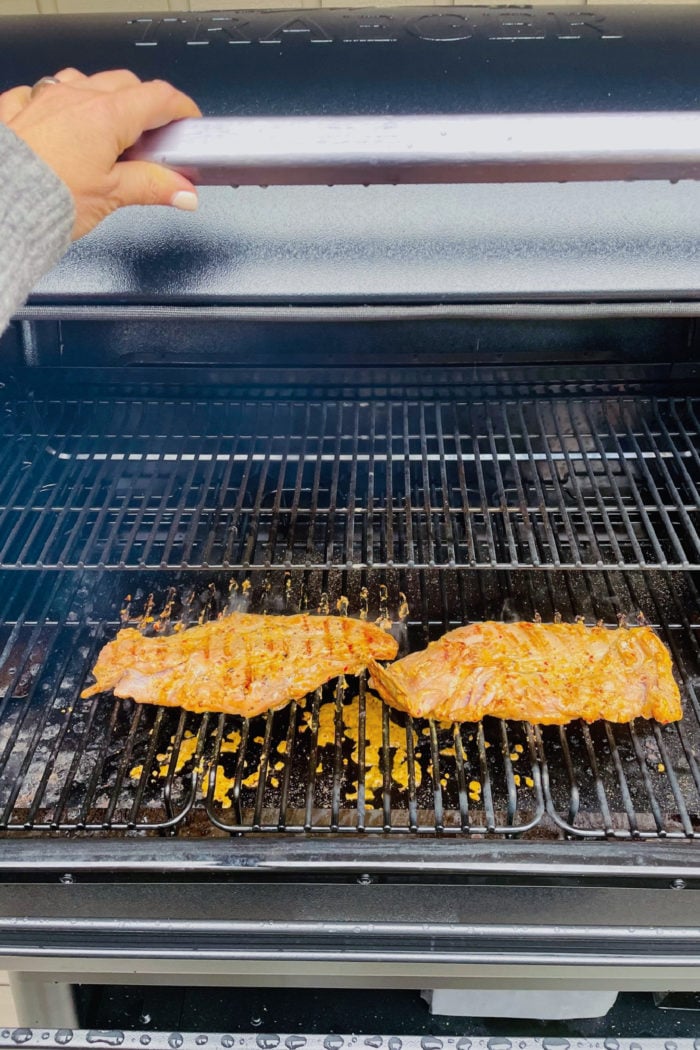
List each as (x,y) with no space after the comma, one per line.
(449,507)
(512,484)
(341,761)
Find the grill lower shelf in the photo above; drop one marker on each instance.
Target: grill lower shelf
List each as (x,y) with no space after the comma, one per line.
(432,513)
(341,761)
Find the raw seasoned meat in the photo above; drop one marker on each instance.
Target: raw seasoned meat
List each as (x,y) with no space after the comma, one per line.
(542,673)
(242,664)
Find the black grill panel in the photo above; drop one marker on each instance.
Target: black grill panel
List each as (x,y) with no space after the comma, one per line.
(507,484)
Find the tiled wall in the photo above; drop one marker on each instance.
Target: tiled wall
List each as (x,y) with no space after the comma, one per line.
(16,7)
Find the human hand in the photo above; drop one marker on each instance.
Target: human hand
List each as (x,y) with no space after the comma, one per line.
(82,125)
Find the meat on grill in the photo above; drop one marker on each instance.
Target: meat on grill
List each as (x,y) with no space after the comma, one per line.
(542,673)
(242,664)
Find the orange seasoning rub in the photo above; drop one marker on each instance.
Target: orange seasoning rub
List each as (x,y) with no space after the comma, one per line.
(534,672)
(243,664)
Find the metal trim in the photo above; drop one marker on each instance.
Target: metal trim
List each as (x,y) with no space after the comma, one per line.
(433,148)
(357,313)
(333,854)
(52,1039)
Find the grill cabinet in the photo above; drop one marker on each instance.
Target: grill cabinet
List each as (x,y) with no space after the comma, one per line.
(433,404)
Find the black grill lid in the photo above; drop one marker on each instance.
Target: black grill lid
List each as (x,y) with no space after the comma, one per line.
(397,244)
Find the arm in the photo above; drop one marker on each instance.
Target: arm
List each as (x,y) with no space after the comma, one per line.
(36,218)
(60,170)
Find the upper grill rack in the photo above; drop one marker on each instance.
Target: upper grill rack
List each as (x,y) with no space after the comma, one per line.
(505,484)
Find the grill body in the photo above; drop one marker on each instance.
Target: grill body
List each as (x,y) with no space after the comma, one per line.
(429,404)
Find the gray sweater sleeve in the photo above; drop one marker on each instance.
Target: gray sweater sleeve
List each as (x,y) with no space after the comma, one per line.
(36,218)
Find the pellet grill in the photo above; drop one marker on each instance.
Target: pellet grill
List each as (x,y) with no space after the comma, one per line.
(432,403)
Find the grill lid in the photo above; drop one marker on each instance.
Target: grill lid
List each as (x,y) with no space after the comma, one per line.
(404,243)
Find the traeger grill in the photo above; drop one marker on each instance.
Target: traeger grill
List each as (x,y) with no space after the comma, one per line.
(473,397)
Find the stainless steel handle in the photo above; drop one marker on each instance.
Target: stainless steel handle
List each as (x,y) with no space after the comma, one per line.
(259,151)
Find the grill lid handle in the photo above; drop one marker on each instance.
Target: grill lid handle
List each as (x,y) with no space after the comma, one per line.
(287,151)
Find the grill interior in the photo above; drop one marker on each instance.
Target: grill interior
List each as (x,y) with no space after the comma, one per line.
(433,513)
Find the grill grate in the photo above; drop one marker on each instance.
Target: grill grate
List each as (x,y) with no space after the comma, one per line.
(444,508)
(342,761)
(507,484)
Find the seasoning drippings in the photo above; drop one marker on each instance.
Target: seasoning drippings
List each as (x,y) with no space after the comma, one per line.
(374,777)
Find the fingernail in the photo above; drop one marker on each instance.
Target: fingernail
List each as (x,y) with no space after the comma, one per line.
(185,201)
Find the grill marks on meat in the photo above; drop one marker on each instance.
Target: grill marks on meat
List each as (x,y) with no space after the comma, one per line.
(550,674)
(242,664)
(542,673)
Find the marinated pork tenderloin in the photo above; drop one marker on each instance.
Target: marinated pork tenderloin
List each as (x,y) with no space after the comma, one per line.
(542,673)
(243,664)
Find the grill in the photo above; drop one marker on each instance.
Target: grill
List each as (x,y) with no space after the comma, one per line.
(426,405)
(431,514)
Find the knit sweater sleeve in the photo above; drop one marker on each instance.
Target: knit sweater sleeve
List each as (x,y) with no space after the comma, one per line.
(36,218)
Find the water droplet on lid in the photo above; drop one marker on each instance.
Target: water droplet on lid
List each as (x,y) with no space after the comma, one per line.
(21,1035)
(227,1041)
(201,1040)
(268,1042)
(555,1044)
(670,1045)
(375,1041)
(429,1042)
(63,1036)
(145,1040)
(109,1038)
(333,1042)
(394,1043)
(175,1040)
(145,1019)
(464,1044)
(499,1044)
(295,1042)
(611,1044)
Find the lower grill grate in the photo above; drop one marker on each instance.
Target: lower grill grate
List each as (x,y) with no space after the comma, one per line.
(434,514)
(342,761)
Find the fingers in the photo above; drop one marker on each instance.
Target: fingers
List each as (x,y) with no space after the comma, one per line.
(109,80)
(13,102)
(140,182)
(70,76)
(151,105)
(113,80)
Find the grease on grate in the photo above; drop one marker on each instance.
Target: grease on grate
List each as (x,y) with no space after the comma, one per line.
(373,764)
(181,759)
(374,709)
